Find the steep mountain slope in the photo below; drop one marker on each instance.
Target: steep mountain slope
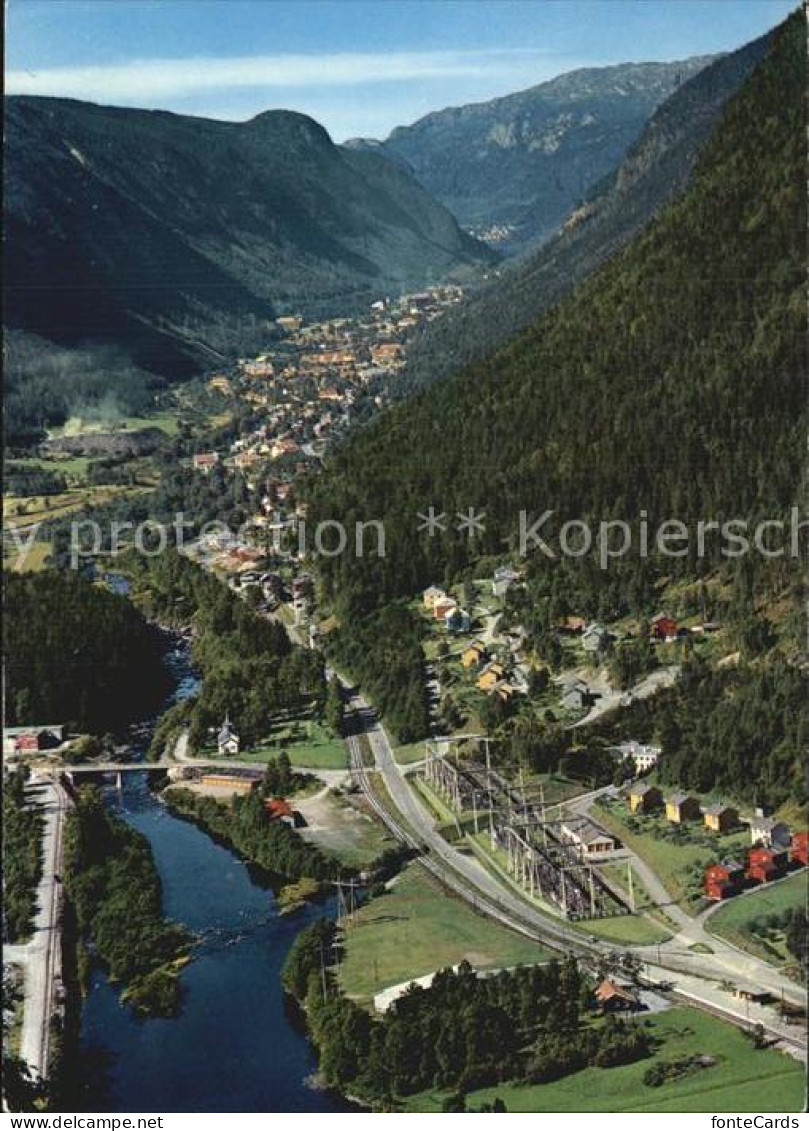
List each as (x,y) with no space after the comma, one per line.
(654,172)
(525,160)
(171,235)
(670,385)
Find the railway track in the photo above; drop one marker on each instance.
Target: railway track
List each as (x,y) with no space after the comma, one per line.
(557,940)
(547,933)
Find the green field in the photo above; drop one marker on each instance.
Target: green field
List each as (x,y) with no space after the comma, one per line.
(637,929)
(313,747)
(735,920)
(344,828)
(30,559)
(418,927)
(412,752)
(27,511)
(167,421)
(744,1079)
(672,859)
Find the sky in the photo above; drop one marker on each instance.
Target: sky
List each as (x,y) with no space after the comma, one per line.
(360,67)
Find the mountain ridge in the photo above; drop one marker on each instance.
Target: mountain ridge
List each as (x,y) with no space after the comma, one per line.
(173,235)
(671,383)
(524,159)
(655,170)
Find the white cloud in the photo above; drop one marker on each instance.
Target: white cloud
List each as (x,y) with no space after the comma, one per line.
(152,81)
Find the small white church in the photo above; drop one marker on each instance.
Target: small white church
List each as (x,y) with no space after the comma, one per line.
(227,740)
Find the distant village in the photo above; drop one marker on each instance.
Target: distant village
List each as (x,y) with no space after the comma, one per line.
(308,388)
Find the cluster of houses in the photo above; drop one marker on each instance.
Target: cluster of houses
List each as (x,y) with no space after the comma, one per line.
(446,610)
(595,638)
(681,807)
(773,847)
(307,389)
(492,676)
(763,864)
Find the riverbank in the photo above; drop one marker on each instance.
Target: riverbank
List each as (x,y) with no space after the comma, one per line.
(246,827)
(236,1045)
(112,882)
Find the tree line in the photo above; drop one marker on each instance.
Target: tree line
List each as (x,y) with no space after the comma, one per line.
(112,882)
(78,654)
(248,828)
(23,824)
(383,653)
(250,669)
(529,1025)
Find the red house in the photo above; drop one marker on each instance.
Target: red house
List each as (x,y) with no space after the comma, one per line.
(28,743)
(763,864)
(798,848)
(723,880)
(280,810)
(663,626)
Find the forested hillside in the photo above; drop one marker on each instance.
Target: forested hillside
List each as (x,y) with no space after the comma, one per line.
(671,383)
(655,172)
(250,669)
(75,653)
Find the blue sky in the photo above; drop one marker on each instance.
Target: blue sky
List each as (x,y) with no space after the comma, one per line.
(359,66)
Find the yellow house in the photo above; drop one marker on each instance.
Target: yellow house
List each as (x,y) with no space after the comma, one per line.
(475,654)
(220,384)
(492,675)
(643,798)
(720,818)
(682,807)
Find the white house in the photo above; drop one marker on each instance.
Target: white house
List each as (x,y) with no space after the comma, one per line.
(587,837)
(594,638)
(643,755)
(227,740)
(770,833)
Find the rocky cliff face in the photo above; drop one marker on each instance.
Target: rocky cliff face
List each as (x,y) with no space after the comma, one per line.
(515,167)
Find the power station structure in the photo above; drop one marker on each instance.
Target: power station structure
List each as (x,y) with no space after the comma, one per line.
(547,855)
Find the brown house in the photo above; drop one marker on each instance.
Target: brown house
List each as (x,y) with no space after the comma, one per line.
(613,997)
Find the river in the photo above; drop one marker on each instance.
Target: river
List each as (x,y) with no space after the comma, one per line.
(234,1046)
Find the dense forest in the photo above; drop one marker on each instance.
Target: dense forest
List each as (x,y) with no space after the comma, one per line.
(46,384)
(77,654)
(532,1025)
(111,879)
(739,730)
(22,856)
(248,827)
(669,385)
(383,652)
(250,669)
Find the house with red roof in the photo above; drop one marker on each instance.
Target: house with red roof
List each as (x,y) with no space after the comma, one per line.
(798,848)
(723,880)
(279,809)
(765,865)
